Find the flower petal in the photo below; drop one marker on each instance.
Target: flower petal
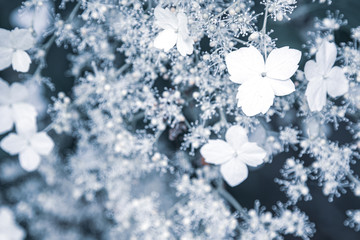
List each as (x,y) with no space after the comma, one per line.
(282,63)
(217,152)
(5,41)
(42,143)
(18,92)
(21,61)
(6,120)
(311,71)
(252,154)
(184,45)
(236,136)
(326,56)
(13,144)
(23,111)
(165,19)
(234,172)
(244,64)
(5,57)
(282,88)
(255,97)
(316,95)
(337,84)
(165,40)
(182,24)
(4,92)
(22,39)
(29,159)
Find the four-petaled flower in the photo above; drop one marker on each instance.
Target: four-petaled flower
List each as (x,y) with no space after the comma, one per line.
(262,81)
(175,31)
(233,155)
(13,45)
(323,78)
(12,105)
(28,143)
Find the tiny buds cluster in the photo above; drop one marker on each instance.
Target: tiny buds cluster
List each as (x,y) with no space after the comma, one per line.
(279,9)
(332,22)
(63,114)
(198,135)
(353,220)
(294,182)
(95,10)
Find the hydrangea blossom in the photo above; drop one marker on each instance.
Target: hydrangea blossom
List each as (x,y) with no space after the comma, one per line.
(262,81)
(9,230)
(13,107)
(233,155)
(28,143)
(175,31)
(13,45)
(323,77)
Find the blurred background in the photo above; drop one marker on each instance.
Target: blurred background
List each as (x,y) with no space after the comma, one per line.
(328,217)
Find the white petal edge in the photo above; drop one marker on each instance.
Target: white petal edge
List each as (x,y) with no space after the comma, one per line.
(326,56)
(21,61)
(234,172)
(282,63)
(5,57)
(282,88)
(252,154)
(316,95)
(255,97)
(165,19)
(42,143)
(165,40)
(18,92)
(29,159)
(217,152)
(337,84)
(6,120)
(236,136)
(244,64)
(13,144)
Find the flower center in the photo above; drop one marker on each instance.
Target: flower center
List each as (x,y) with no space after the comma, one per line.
(263,74)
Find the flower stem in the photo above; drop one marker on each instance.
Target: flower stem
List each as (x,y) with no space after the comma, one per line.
(263,30)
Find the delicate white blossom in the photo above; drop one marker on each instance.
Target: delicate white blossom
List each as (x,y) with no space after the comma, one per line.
(13,107)
(28,143)
(233,155)
(9,230)
(13,45)
(175,31)
(324,78)
(262,81)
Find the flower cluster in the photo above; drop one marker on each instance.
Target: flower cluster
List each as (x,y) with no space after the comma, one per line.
(174,105)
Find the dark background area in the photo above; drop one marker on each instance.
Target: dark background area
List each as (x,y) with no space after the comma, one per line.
(328,217)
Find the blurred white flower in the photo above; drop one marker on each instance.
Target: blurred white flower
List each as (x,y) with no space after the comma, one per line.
(175,31)
(323,78)
(28,143)
(13,45)
(13,107)
(262,81)
(233,155)
(9,230)
(39,18)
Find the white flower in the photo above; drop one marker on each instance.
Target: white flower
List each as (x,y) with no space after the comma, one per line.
(323,78)
(233,155)
(28,143)
(9,230)
(12,105)
(262,81)
(13,45)
(175,31)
